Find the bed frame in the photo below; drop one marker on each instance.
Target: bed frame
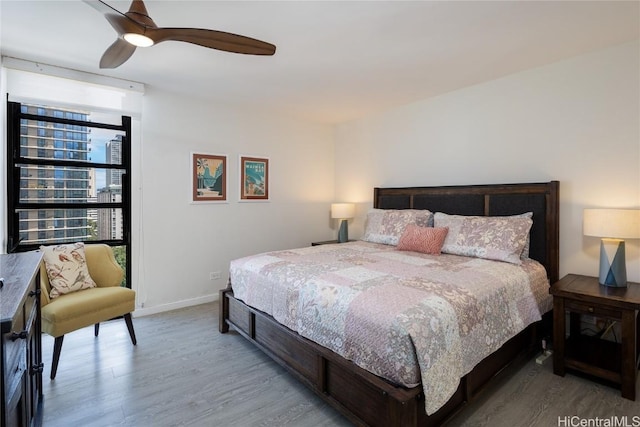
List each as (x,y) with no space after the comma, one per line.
(366,399)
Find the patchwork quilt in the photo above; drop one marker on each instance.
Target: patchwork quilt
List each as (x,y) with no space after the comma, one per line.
(408,317)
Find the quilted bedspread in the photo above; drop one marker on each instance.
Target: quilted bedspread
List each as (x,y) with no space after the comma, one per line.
(408,317)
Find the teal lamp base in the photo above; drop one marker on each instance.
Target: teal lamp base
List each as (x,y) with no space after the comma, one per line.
(343,232)
(613,269)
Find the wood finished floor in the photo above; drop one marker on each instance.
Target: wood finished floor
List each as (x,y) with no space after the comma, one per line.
(183,372)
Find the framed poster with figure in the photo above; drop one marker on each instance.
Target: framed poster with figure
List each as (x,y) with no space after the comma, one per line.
(209,177)
(254,178)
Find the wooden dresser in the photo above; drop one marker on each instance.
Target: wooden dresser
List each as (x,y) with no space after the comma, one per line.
(20,347)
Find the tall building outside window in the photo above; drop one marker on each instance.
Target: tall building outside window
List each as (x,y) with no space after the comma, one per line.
(45,184)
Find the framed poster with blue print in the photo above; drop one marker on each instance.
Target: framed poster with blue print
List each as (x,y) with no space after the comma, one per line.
(254,178)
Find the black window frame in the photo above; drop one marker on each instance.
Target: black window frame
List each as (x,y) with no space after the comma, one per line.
(15,161)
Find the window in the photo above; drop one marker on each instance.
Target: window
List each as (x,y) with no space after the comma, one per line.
(68,179)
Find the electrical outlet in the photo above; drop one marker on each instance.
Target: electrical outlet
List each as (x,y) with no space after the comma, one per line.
(214,275)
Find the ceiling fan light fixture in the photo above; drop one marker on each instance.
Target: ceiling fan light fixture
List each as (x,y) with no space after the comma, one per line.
(135,28)
(139,40)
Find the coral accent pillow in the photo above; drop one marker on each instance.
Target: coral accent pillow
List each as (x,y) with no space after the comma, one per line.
(427,240)
(66,267)
(387,225)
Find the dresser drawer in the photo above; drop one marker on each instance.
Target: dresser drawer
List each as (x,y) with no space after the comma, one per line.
(593,309)
(15,356)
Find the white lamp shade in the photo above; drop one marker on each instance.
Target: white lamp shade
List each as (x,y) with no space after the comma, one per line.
(613,223)
(343,210)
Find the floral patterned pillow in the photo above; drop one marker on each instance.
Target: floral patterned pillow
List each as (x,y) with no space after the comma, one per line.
(500,238)
(387,225)
(427,240)
(66,267)
(525,250)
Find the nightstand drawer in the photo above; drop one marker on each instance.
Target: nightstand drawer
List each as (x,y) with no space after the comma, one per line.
(592,309)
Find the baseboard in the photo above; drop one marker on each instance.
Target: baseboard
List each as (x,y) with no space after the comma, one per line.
(146,311)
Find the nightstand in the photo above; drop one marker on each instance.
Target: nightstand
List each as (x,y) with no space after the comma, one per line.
(616,362)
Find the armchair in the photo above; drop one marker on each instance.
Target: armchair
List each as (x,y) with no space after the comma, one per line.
(76,310)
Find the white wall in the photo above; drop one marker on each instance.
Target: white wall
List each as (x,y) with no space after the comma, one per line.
(177,243)
(576,121)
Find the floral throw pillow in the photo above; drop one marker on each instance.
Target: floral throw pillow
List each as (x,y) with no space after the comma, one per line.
(427,240)
(66,267)
(387,225)
(497,238)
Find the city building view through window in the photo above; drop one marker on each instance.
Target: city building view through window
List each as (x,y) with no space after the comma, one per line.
(70,174)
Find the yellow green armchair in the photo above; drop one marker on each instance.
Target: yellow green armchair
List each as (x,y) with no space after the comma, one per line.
(76,310)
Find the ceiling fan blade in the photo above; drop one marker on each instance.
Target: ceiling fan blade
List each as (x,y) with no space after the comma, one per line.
(124,25)
(119,21)
(219,40)
(117,54)
(101,7)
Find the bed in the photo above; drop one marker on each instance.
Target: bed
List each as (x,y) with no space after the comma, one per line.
(362,396)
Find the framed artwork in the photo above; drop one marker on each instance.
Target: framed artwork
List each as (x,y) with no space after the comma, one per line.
(254,178)
(208,177)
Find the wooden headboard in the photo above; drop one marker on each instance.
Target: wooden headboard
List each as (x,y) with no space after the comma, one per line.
(491,200)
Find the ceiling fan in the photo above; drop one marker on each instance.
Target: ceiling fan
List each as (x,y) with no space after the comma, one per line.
(136,29)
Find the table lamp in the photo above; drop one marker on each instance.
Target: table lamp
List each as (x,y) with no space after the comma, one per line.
(343,211)
(612,225)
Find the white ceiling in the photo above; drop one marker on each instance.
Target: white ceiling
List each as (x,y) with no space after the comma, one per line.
(335,60)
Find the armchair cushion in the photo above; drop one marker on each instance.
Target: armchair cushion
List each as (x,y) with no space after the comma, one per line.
(80,309)
(66,267)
